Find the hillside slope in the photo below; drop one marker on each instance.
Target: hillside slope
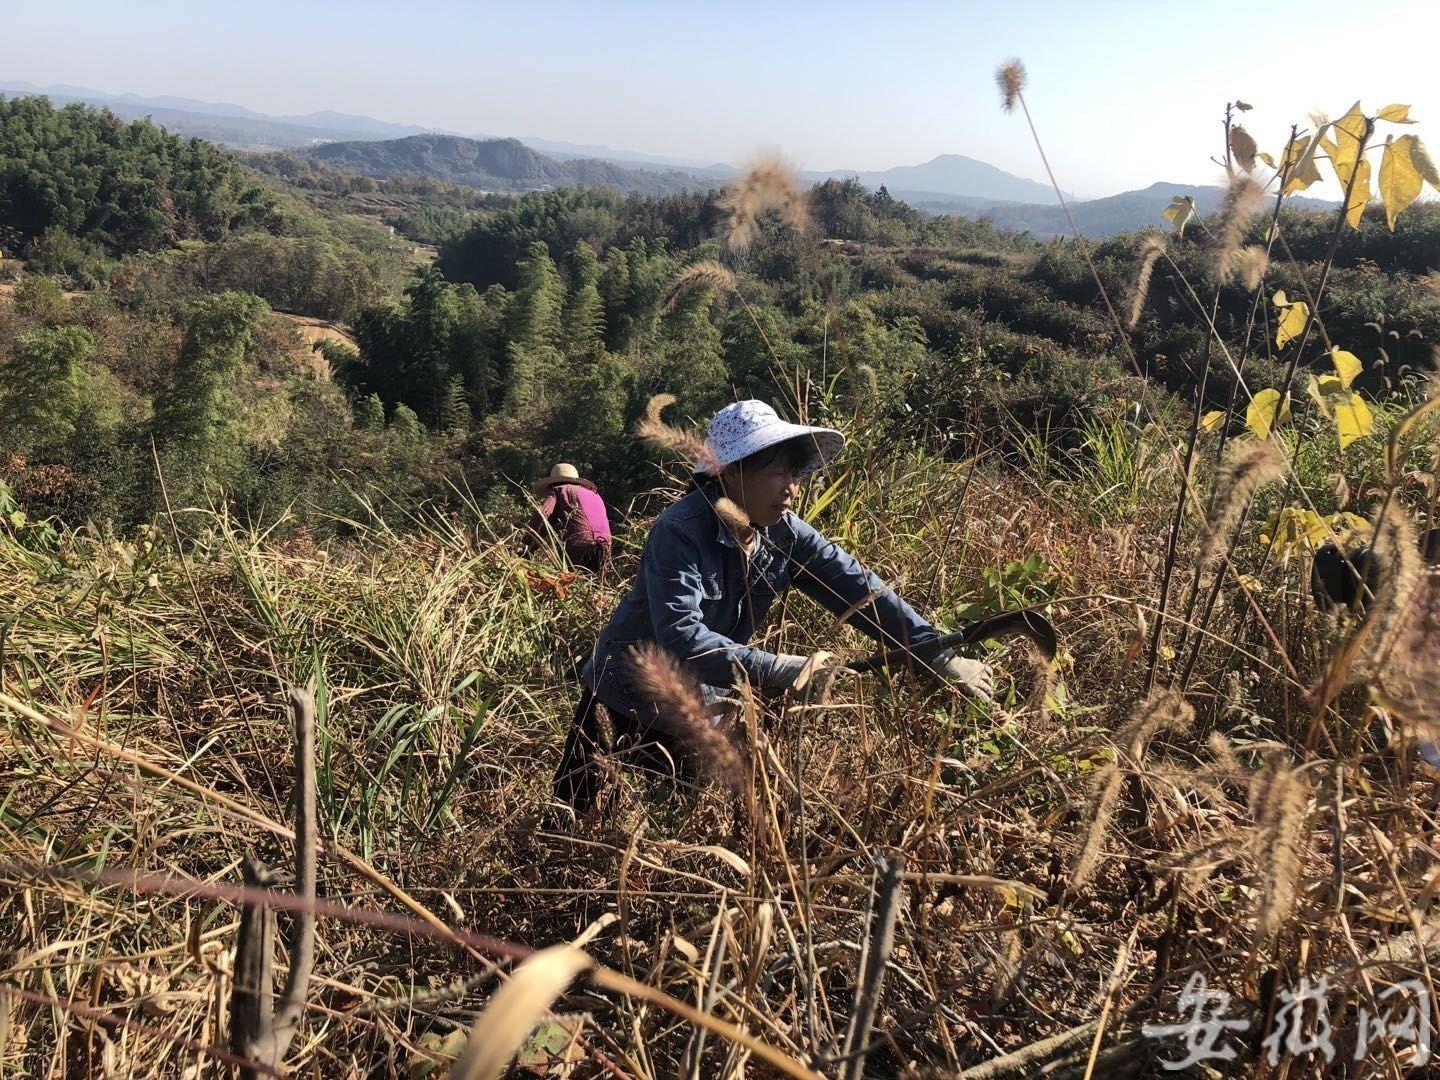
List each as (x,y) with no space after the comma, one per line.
(492,164)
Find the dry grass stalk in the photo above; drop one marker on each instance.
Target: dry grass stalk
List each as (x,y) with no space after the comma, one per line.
(1249,467)
(1242,199)
(1100,813)
(516,1008)
(663,684)
(1151,248)
(1162,709)
(678,441)
(1278,799)
(769,184)
(1250,265)
(1010,78)
(706,274)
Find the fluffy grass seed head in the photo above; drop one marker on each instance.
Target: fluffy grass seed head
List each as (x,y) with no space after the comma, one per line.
(1162,709)
(1242,199)
(664,685)
(1278,799)
(706,274)
(1010,78)
(1099,814)
(676,440)
(769,184)
(1151,248)
(1249,467)
(1250,265)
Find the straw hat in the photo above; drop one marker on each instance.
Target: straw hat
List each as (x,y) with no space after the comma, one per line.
(746,427)
(563,473)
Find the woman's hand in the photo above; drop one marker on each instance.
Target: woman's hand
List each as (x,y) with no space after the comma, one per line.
(971,677)
(794,672)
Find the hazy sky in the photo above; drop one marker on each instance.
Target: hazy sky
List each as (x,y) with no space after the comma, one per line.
(1123,93)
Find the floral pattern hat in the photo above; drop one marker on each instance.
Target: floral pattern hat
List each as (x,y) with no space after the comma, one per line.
(748,426)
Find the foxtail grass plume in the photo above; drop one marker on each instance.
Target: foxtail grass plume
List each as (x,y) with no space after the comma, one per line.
(1099,814)
(1412,675)
(1278,799)
(1242,199)
(1162,709)
(769,184)
(678,441)
(1010,78)
(681,706)
(1397,552)
(706,274)
(1250,265)
(736,519)
(1248,468)
(1151,248)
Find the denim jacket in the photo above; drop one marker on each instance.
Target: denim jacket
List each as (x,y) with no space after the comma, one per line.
(701,598)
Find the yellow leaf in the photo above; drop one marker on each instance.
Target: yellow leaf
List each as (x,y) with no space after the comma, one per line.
(1350,131)
(1425,164)
(1266,158)
(1347,366)
(1179,212)
(1212,420)
(1280,299)
(1396,114)
(1298,165)
(1359,195)
(1262,409)
(1292,323)
(1318,395)
(1243,147)
(1352,420)
(1400,180)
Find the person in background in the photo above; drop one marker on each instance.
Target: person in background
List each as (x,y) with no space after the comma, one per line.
(714,564)
(573,510)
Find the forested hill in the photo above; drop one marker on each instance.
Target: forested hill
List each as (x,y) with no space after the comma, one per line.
(493,164)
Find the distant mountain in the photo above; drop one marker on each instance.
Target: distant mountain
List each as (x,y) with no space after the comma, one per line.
(954,175)
(222,122)
(493,165)
(1126,212)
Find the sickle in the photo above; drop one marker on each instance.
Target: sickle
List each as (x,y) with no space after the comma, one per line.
(1026,622)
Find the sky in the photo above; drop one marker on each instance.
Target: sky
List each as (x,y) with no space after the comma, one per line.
(1123,94)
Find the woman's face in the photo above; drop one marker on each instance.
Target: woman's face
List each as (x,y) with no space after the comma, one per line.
(764,493)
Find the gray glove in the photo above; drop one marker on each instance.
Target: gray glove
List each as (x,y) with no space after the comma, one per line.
(971,677)
(794,671)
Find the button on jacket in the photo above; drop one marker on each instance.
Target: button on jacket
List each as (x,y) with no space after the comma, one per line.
(700,597)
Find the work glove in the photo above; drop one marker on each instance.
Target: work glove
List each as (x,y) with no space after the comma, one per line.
(970,677)
(796,671)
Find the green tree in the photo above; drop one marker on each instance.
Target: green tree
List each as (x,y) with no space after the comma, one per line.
(584,315)
(539,299)
(40,400)
(195,424)
(455,409)
(370,413)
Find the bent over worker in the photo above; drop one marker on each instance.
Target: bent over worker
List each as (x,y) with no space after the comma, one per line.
(702,592)
(572,507)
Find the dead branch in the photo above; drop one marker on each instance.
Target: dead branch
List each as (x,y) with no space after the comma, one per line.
(257,1033)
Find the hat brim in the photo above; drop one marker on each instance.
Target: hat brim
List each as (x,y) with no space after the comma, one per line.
(540,487)
(825,443)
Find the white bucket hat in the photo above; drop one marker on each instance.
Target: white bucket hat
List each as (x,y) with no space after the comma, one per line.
(749,426)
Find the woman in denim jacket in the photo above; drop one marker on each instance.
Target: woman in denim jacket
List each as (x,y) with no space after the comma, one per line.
(700,596)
